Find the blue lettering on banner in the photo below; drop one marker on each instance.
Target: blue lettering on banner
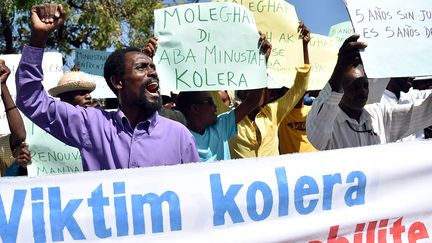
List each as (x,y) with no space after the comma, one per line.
(155,202)
(259,197)
(251,195)
(62,217)
(224,203)
(329,182)
(282,182)
(306,187)
(121,213)
(9,230)
(38,215)
(97,203)
(359,190)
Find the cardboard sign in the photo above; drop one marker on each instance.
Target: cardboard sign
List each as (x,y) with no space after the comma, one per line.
(208,46)
(398,34)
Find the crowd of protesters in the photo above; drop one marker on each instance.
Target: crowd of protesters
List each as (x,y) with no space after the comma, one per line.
(147,129)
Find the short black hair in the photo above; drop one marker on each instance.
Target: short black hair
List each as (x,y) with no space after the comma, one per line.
(166,99)
(186,99)
(114,65)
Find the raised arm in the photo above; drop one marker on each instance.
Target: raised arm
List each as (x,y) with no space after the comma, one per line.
(151,47)
(253,100)
(15,121)
(320,120)
(44,19)
(286,103)
(304,34)
(348,57)
(62,120)
(265,45)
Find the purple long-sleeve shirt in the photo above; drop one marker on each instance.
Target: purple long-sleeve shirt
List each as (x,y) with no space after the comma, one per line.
(105,139)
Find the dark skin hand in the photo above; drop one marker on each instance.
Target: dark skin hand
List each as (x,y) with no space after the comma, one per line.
(44,19)
(22,155)
(348,57)
(265,45)
(151,47)
(304,34)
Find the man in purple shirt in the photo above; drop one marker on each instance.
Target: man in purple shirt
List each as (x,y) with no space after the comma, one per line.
(133,136)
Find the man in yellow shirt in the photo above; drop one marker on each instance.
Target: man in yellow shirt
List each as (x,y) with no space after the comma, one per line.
(292,131)
(257,133)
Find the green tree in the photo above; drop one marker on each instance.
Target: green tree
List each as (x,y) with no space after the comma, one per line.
(97,24)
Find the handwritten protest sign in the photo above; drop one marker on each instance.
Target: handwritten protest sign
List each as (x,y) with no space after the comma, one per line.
(323,56)
(398,34)
(278,20)
(49,155)
(341,31)
(52,66)
(208,46)
(92,62)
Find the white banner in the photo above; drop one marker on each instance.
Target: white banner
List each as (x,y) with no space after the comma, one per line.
(367,194)
(398,34)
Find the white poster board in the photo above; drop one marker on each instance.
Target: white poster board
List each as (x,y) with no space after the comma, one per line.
(197,48)
(48,154)
(52,66)
(398,34)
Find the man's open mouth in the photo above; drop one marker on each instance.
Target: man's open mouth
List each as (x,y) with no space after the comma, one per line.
(152,87)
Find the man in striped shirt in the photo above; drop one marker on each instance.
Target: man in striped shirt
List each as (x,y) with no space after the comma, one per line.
(340,117)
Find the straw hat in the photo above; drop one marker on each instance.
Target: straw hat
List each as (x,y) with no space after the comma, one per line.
(72,81)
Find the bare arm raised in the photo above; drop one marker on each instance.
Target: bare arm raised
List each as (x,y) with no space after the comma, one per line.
(16,124)
(305,36)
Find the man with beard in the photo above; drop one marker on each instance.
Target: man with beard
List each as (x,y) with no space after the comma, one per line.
(133,136)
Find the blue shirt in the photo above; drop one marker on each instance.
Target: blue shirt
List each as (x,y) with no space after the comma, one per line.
(213,144)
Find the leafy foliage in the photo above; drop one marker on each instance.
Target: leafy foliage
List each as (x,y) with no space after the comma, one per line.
(97,24)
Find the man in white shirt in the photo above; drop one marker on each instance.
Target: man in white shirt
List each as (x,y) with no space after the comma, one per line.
(400,91)
(340,117)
